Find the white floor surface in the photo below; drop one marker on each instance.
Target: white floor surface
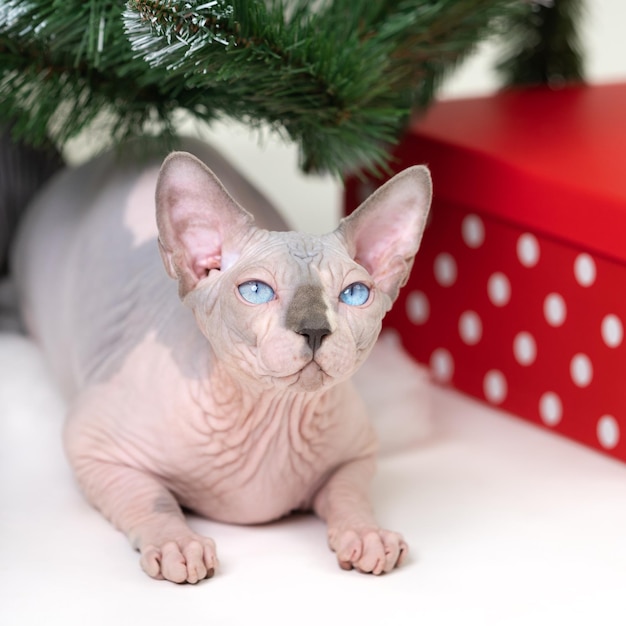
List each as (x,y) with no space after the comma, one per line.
(508,525)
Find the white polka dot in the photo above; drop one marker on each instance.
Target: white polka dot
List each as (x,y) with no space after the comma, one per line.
(495,387)
(445,269)
(554,309)
(470,328)
(607,432)
(584,270)
(581,370)
(524,348)
(528,250)
(442,365)
(550,408)
(612,331)
(473,231)
(499,289)
(418,307)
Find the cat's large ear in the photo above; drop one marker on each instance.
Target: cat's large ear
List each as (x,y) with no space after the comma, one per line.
(384,233)
(200,225)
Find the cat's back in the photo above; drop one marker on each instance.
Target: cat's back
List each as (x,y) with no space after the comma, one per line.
(78,253)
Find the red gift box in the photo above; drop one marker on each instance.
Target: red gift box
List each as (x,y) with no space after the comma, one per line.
(518,293)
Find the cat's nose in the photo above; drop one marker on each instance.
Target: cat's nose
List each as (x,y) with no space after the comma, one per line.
(314,336)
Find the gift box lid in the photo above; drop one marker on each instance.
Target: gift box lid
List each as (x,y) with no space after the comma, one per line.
(553,161)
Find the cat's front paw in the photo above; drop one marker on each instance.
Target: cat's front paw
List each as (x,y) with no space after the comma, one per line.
(369,550)
(181,560)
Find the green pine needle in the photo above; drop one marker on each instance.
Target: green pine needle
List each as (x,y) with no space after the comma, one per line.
(544,47)
(337,77)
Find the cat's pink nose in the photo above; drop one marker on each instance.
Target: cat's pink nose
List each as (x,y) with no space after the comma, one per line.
(314,336)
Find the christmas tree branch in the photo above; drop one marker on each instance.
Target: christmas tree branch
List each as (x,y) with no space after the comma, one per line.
(339,77)
(545,47)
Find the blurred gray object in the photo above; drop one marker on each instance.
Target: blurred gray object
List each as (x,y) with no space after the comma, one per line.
(23,171)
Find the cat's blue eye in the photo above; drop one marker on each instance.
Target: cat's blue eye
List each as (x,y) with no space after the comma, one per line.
(256,292)
(355,294)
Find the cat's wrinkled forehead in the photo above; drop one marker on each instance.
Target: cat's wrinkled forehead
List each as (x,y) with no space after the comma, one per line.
(305,247)
(299,251)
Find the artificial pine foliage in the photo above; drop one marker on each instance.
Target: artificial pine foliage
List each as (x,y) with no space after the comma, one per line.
(544,46)
(338,77)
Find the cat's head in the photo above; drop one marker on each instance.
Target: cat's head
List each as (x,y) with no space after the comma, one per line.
(287,309)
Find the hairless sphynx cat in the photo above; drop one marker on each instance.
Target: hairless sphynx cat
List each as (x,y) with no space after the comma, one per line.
(236,404)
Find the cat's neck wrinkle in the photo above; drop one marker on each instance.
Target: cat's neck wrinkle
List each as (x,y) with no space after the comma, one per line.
(230,404)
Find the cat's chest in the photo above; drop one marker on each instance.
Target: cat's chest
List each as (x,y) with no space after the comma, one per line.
(255,469)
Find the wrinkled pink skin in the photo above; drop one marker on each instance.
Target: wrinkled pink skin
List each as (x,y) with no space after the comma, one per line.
(217,405)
